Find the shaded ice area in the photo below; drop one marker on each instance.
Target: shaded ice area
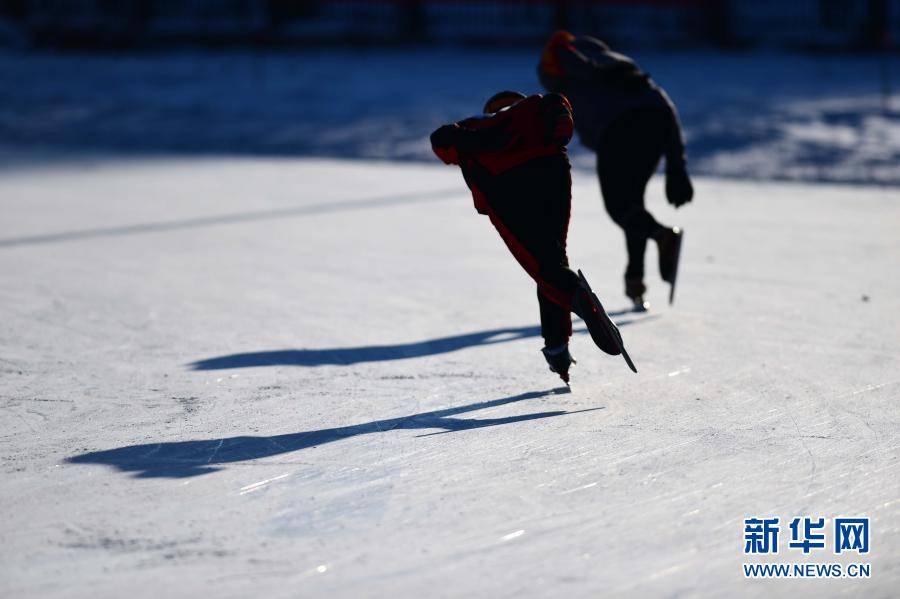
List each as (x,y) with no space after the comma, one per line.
(755,115)
(279,377)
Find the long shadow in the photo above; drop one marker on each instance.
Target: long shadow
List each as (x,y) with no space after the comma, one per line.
(183,459)
(224,219)
(380,353)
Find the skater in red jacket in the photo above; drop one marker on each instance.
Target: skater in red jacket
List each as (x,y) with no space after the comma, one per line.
(630,122)
(514,160)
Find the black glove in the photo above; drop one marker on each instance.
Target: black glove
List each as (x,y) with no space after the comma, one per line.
(679,190)
(445,137)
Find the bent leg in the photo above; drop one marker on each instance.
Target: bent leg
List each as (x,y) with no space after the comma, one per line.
(636,243)
(532,216)
(627,158)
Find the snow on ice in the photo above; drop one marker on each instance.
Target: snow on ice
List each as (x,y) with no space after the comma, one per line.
(748,115)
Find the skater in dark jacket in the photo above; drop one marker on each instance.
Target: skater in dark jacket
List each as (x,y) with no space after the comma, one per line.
(514,160)
(630,122)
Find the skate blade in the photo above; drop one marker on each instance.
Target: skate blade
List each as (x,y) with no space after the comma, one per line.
(675,272)
(628,360)
(563,376)
(611,328)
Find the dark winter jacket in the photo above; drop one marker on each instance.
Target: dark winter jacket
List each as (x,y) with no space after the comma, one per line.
(486,146)
(602,85)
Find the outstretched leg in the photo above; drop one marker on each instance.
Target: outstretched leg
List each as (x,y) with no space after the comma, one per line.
(530,206)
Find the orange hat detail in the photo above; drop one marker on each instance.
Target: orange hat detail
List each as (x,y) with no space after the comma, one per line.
(549,60)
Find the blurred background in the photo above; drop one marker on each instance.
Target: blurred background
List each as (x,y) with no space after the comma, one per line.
(821,24)
(766,88)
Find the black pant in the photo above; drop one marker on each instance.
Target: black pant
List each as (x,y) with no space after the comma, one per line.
(530,207)
(627,157)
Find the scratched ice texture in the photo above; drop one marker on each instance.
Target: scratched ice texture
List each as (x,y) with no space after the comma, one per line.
(255,341)
(291,376)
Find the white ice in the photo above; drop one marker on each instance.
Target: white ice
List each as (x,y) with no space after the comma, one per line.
(300,377)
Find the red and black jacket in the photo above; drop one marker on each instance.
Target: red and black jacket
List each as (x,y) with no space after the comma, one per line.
(490,145)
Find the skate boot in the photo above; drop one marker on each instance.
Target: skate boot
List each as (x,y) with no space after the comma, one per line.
(669,243)
(559,360)
(635,290)
(603,331)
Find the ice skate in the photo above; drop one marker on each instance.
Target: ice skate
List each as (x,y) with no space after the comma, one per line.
(635,290)
(559,359)
(603,330)
(669,242)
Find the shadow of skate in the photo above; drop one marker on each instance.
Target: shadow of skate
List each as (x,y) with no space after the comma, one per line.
(378,353)
(181,459)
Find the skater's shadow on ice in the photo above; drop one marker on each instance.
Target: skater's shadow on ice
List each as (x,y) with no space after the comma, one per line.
(181,459)
(379,353)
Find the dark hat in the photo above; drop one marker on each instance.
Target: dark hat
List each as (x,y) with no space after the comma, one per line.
(501,100)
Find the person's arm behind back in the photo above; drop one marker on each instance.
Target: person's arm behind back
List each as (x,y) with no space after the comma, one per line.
(470,136)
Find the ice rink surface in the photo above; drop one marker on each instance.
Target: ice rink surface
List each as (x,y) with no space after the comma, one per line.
(298,377)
